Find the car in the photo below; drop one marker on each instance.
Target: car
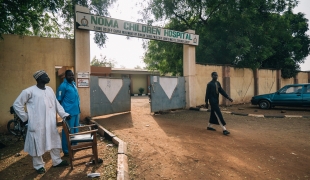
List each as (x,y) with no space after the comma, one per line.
(297,95)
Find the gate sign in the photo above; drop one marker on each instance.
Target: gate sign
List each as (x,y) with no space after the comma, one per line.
(115,26)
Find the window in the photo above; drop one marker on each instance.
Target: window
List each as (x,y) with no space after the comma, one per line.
(307,89)
(292,90)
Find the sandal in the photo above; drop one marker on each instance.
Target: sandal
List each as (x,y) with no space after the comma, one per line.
(41,170)
(225,132)
(63,163)
(99,161)
(211,129)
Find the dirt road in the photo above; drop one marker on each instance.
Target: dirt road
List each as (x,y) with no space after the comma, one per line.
(177,145)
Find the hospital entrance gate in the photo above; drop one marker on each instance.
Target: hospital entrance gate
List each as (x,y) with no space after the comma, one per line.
(109,95)
(167,93)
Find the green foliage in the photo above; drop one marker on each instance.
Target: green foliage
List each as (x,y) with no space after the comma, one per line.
(291,47)
(138,67)
(47,18)
(252,34)
(102,62)
(141,90)
(25,17)
(165,56)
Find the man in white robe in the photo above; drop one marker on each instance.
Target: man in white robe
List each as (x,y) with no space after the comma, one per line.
(42,135)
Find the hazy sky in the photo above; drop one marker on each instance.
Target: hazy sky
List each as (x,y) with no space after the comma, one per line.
(129,52)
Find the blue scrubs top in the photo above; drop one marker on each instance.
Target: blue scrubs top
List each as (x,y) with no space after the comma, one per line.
(68,95)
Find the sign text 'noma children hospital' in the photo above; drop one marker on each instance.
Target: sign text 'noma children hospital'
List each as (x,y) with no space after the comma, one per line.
(116,26)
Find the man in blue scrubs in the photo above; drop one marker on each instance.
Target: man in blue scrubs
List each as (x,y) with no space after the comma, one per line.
(68,96)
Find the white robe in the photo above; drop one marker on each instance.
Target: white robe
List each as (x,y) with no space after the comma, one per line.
(42,106)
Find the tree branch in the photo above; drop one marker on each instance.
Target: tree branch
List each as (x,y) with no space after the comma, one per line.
(181,18)
(205,21)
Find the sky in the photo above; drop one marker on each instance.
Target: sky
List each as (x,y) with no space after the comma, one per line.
(129,53)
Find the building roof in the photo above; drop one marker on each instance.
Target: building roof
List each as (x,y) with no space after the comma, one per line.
(108,70)
(133,71)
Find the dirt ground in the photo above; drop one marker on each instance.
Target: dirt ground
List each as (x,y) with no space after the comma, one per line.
(176,145)
(15,164)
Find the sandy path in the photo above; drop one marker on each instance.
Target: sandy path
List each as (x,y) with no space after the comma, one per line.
(177,145)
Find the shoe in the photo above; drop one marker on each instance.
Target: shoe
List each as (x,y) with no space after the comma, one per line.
(41,170)
(211,129)
(99,161)
(226,132)
(62,164)
(66,155)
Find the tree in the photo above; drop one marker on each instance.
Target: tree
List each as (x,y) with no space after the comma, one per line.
(47,18)
(242,33)
(292,47)
(25,17)
(102,62)
(165,56)
(138,67)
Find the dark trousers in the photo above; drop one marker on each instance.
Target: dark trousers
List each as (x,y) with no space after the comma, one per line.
(216,115)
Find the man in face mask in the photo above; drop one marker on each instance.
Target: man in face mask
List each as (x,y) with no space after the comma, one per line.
(42,134)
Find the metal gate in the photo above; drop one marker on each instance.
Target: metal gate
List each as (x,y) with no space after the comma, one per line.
(167,93)
(109,95)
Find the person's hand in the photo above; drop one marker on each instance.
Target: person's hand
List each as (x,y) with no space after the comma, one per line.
(68,117)
(230,99)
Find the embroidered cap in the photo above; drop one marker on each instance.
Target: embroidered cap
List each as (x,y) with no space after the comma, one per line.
(37,74)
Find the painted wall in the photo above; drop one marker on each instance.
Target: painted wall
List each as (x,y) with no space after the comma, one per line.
(137,81)
(302,77)
(203,77)
(241,85)
(116,75)
(241,82)
(20,58)
(287,81)
(267,81)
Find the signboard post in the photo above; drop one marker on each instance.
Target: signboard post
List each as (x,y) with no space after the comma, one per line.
(83,82)
(115,26)
(83,79)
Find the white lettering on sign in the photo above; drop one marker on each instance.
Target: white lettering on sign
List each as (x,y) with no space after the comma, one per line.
(115,26)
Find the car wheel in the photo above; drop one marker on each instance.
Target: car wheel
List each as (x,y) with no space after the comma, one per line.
(264,104)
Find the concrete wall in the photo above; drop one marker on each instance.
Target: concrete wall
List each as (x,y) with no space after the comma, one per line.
(302,77)
(138,79)
(82,62)
(116,75)
(267,81)
(203,77)
(241,84)
(20,57)
(287,81)
(137,82)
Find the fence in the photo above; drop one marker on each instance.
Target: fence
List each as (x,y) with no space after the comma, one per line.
(243,83)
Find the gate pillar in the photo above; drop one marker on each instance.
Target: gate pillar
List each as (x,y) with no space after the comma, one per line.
(189,72)
(82,63)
